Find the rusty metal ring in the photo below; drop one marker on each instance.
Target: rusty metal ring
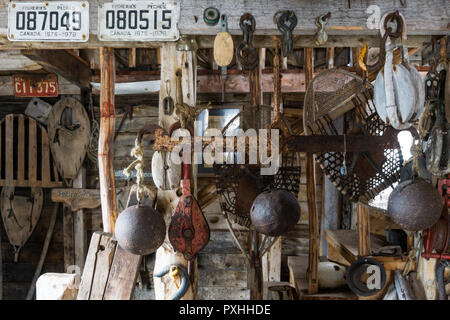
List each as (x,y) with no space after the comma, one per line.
(287,16)
(250,26)
(251,61)
(394,16)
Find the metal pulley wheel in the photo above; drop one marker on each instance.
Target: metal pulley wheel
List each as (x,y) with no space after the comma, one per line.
(166,173)
(360,275)
(275,212)
(415,205)
(140,229)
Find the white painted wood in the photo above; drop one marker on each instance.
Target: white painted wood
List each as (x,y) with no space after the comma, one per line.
(12,60)
(171,60)
(427,276)
(56,286)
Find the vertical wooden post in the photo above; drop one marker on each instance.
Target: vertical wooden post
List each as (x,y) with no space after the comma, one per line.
(171,60)
(132,57)
(105,141)
(255,276)
(363,231)
(313,284)
(79,224)
(69,253)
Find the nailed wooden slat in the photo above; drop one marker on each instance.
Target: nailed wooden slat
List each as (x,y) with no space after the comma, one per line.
(21,149)
(45,162)
(122,275)
(9,121)
(32,152)
(32,147)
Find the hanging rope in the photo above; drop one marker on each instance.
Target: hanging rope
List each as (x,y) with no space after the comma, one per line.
(138,165)
(92,150)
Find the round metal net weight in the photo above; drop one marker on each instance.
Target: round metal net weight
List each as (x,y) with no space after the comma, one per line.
(238,184)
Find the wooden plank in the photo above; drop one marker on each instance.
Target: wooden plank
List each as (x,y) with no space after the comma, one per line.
(79,224)
(69,246)
(32,151)
(298,266)
(45,160)
(45,246)
(207,41)
(313,260)
(77,198)
(255,276)
(62,63)
(21,148)
(106,143)
(104,258)
(87,276)
(363,231)
(9,145)
(97,267)
(122,276)
(342,26)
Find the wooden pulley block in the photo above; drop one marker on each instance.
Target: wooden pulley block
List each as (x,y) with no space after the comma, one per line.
(20,210)
(69,133)
(188,231)
(166,173)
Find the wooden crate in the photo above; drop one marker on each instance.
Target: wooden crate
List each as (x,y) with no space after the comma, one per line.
(25,157)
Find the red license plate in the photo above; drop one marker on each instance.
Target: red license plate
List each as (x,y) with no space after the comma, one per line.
(31,85)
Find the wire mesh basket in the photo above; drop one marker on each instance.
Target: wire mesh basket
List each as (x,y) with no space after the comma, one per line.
(245,180)
(338,102)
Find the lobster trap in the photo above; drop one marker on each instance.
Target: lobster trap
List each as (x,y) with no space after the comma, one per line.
(238,184)
(338,102)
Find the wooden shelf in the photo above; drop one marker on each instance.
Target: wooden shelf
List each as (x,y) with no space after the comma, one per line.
(345,244)
(298,266)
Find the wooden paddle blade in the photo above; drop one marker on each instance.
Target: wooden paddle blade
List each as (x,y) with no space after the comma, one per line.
(188,230)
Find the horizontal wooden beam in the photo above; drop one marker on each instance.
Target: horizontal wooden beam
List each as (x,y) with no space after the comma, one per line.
(347,26)
(62,63)
(295,143)
(207,41)
(354,143)
(237,81)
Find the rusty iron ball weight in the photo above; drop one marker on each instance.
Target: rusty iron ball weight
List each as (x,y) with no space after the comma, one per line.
(140,229)
(415,205)
(275,212)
